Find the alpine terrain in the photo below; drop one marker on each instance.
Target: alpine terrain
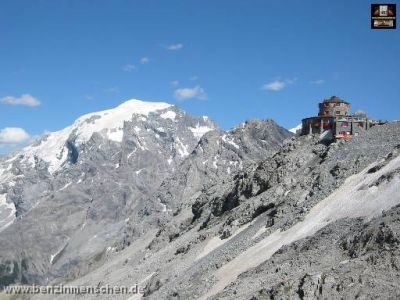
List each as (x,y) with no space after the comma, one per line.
(147,194)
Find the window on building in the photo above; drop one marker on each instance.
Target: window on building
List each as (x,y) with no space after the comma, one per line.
(338,112)
(345,124)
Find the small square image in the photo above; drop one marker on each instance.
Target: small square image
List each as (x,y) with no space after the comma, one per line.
(383,16)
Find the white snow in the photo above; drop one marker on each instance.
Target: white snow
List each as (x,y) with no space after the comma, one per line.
(164,206)
(139,171)
(215,161)
(199,131)
(353,199)
(79,181)
(230,141)
(130,154)
(6,176)
(7,212)
(52,150)
(52,256)
(168,115)
(109,123)
(64,187)
(116,134)
(169,160)
(182,149)
(296,129)
(142,144)
(114,118)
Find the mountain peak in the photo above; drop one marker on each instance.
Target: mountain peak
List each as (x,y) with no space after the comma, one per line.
(142,107)
(126,109)
(53,147)
(112,120)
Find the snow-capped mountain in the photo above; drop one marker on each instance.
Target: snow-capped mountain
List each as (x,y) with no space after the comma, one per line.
(83,187)
(135,126)
(296,129)
(53,148)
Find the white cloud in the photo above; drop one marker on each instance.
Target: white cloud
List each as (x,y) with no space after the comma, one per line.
(13,135)
(128,68)
(175,83)
(275,85)
(187,93)
(194,78)
(144,60)
(174,47)
(25,99)
(317,82)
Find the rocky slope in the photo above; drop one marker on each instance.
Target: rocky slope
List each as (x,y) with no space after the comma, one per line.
(93,188)
(191,211)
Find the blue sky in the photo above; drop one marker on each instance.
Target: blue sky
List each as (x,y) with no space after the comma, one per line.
(231,60)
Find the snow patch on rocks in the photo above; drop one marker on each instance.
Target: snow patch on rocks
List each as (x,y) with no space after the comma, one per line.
(7,212)
(169,115)
(199,131)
